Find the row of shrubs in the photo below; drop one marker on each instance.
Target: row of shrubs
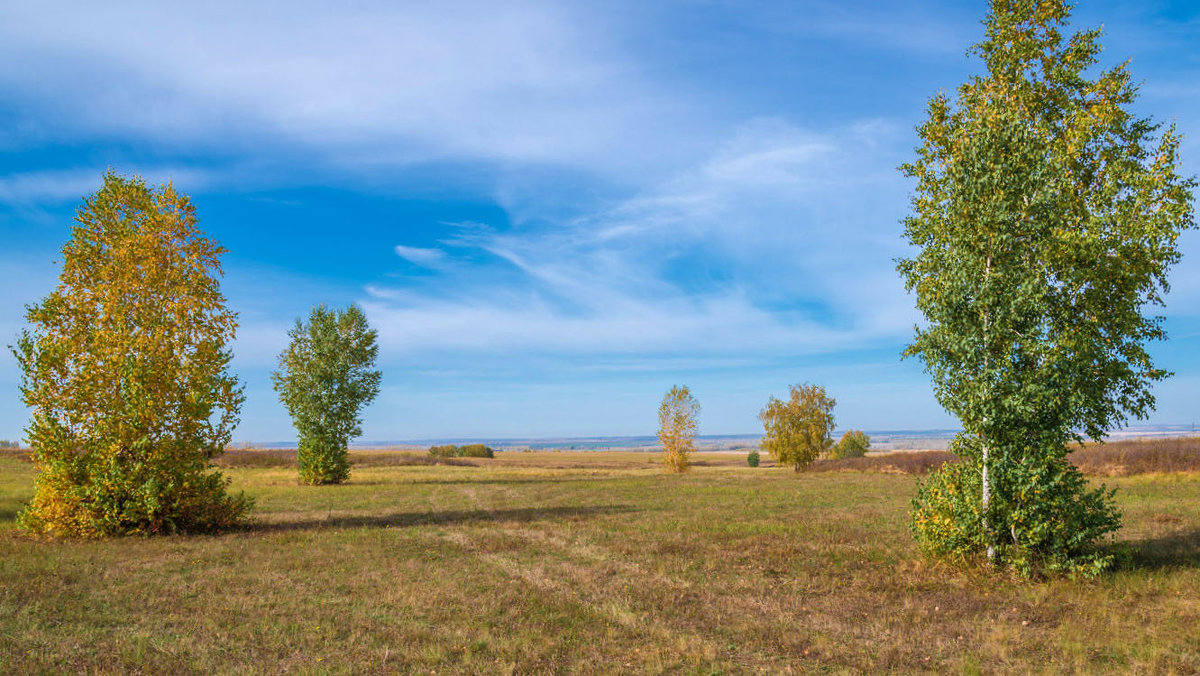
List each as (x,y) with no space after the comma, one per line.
(853,444)
(465,451)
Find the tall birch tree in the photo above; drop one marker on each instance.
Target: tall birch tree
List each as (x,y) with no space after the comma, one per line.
(1045,218)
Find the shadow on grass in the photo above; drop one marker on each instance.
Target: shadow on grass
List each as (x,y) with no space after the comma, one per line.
(538,480)
(403,519)
(8,514)
(1177,550)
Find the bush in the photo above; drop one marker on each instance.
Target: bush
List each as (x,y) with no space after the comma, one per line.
(853,444)
(448,451)
(946,517)
(467,451)
(1047,518)
(752,458)
(476,451)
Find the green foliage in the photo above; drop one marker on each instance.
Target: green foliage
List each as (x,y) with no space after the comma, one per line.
(1054,518)
(447,451)
(677,422)
(797,431)
(752,458)
(853,444)
(466,451)
(325,378)
(947,514)
(1046,216)
(125,370)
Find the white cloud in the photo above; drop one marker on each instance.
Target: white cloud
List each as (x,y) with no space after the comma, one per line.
(70,185)
(765,215)
(420,256)
(370,83)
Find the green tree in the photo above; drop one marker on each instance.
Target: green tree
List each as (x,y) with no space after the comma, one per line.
(325,378)
(797,431)
(677,421)
(1045,217)
(853,444)
(125,370)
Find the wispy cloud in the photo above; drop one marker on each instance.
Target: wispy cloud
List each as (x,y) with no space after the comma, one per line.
(375,83)
(69,185)
(740,255)
(420,256)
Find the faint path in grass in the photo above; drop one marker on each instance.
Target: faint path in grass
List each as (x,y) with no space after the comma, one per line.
(283,522)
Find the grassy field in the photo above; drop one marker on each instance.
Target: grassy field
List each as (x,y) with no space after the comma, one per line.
(586,562)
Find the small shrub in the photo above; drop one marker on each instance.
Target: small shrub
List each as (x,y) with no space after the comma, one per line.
(752,458)
(945,525)
(467,451)
(1048,518)
(447,451)
(476,451)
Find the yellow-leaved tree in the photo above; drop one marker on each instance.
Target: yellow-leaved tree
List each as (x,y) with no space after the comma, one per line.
(125,370)
(797,431)
(677,421)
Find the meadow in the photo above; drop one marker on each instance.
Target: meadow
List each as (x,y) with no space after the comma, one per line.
(594,562)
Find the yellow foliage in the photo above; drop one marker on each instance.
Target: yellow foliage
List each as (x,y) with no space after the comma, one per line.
(677,428)
(797,431)
(125,372)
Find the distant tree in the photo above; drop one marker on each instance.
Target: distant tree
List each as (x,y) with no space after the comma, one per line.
(853,444)
(1045,218)
(677,420)
(752,458)
(467,451)
(325,378)
(797,431)
(125,369)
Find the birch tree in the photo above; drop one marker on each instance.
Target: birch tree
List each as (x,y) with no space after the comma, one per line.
(1045,218)
(125,367)
(797,431)
(677,421)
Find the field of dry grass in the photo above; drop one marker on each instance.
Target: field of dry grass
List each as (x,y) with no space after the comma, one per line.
(588,562)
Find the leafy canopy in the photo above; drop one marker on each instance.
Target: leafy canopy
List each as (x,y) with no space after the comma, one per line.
(797,431)
(325,378)
(853,444)
(125,370)
(677,421)
(1046,216)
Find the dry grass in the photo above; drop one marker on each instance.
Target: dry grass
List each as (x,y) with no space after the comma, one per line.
(1140,456)
(286,457)
(900,462)
(587,563)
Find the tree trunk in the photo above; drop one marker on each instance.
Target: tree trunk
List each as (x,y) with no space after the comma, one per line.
(987,498)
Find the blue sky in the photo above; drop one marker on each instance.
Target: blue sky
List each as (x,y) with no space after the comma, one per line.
(551,212)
